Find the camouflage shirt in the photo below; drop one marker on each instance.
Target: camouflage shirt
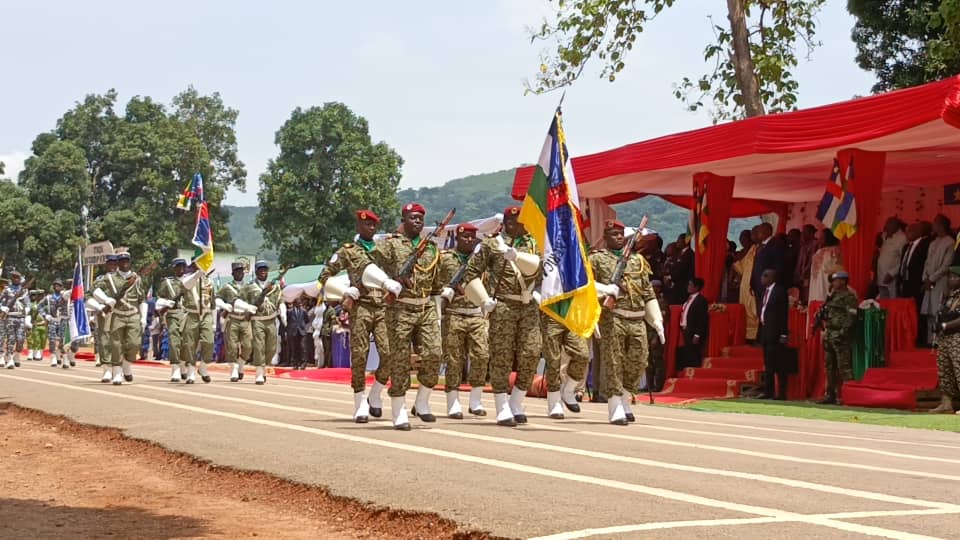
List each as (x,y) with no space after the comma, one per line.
(635,288)
(501,276)
(16,298)
(450,262)
(354,258)
(54,306)
(840,314)
(395,250)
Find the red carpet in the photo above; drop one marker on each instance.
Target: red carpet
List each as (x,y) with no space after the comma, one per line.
(888,397)
(720,376)
(894,386)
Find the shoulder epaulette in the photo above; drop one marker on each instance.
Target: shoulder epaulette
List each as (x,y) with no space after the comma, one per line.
(348,245)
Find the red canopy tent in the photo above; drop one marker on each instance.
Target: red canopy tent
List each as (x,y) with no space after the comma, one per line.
(907,138)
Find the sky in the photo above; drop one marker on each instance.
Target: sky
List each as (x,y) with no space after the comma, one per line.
(441,81)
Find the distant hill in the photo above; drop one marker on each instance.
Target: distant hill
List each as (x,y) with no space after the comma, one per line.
(480,196)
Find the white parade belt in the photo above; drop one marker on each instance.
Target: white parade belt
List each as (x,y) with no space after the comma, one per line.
(414,301)
(471,312)
(522,298)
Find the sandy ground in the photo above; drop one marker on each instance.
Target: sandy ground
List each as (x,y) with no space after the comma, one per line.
(60,479)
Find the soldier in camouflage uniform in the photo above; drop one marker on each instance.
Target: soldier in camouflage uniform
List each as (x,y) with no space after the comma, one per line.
(264,326)
(128,317)
(102,345)
(557,341)
(657,367)
(623,333)
(367,315)
(413,317)
(37,336)
(515,321)
(464,329)
(55,310)
(200,307)
(169,306)
(238,333)
(948,345)
(838,316)
(15,308)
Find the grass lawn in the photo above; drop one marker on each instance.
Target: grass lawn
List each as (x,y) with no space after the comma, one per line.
(881,417)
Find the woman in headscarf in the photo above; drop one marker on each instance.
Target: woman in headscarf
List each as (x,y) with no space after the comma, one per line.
(825,262)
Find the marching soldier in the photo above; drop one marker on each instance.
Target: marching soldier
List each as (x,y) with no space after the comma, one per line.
(200,308)
(464,329)
(948,345)
(412,318)
(623,333)
(557,339)
(128,317)
(55,310)
(237,335)
(169,306)
(264,325)
(102,345)
(367,315)
(838,317)
(512,269)
(37,336)
(15,308)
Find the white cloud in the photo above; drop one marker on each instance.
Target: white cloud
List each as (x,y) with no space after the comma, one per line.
(13,163)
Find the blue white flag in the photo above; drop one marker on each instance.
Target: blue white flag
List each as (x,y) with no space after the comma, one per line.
(79,325)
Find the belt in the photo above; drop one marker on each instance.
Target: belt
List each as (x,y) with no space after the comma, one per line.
(468,312)
(15,315)
(264,317)
(522,298)
(241,318)
(625,314)
(196,311)
(132,311)
(414,301)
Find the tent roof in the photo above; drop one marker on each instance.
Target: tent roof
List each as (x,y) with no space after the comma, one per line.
(787,157)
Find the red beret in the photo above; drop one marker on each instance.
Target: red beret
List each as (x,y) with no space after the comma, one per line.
(363,215)
(466,227)
(613,224)
(414,207)
(511,211)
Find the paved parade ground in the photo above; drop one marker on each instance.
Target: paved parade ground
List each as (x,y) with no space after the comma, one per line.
(673,474)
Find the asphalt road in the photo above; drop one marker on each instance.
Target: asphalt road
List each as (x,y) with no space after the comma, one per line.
(673,474)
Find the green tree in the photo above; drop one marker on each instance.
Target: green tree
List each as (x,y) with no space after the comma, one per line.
(327,168)
(907,42)
(129,169)
(33,238)
(752,56)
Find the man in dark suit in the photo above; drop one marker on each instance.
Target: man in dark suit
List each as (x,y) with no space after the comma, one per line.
(695,325)
(771,253)
(773,335)
(682,270)
(910,276)
(296,332)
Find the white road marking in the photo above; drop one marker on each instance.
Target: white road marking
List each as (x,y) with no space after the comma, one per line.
(560,475)
(799,484)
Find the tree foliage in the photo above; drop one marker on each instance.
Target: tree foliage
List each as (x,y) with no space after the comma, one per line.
(751,58)
(327,168)
(129,168)
(907,42)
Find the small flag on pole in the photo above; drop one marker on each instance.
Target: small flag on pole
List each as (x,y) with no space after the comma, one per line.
(838,209)
(192,194)
(79,325)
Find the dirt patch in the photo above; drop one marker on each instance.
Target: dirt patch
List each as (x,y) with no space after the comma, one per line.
(60,479)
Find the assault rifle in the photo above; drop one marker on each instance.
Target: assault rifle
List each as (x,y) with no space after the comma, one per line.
(406,271)
(24,291)
(143,272)
(266,290)
(457,278)
(610,302)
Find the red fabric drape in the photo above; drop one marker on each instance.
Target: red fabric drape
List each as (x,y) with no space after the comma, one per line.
(710,263)
(739,208)
(867,183)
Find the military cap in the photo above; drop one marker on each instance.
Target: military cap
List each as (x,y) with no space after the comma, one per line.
(123,256)
(111,258)
(58,282)
(367,215)
(260,264)
(511,211)
(15,273)
(613,224)
(178,261)
(414,207)
(839,275)
(236,265)
(466,227)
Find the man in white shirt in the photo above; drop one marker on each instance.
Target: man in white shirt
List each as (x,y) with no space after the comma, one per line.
(888,261)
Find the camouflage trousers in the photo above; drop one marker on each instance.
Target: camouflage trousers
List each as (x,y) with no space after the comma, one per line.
(174,324)
(367,319)
(838,361)
(238,339)
(55,331)
(197,334)
(14,334)
(413,327)
(557,340)
(264,341)
(623,354)
(514,334)
(125,337)
(465,337)
(948,364)
(37,337)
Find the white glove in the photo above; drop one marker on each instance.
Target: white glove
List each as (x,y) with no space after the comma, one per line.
(393,287)
(164,303)
(94,305)
(536,297)
(48,318)
(447,294)
(5,309)
(352,293)
(661,334)
(190,280)
(223,306)
(143,315)
(613,290)
(103,298)
(489,305)
(501,246)
(283,314)
(653,316)
(240,305)
(510,254)
(28,322)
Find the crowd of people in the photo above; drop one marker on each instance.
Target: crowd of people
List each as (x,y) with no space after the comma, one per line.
(474,309)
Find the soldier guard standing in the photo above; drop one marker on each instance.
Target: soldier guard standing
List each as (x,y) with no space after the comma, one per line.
(837,316)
